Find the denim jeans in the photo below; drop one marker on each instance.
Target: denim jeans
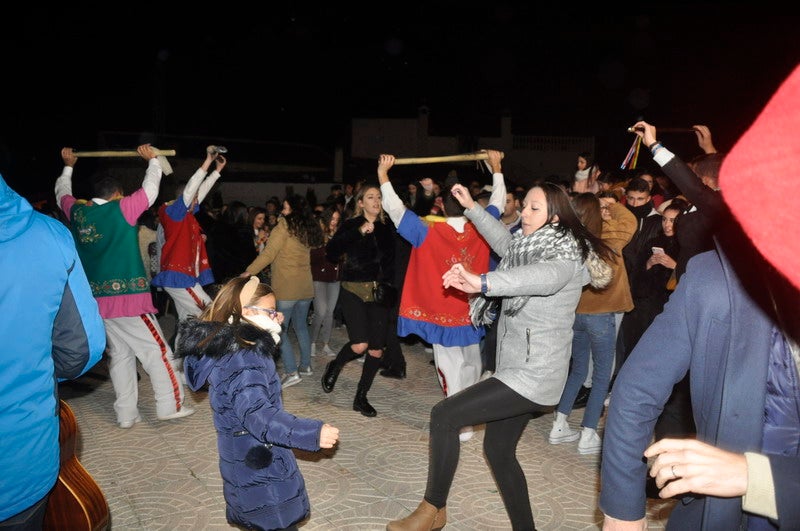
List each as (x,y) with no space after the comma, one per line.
(295,314)
(325,296)
(593,337)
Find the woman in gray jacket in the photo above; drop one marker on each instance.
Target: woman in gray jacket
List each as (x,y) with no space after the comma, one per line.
(539,279)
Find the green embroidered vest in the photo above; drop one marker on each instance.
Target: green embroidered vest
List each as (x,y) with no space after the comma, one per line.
(109,249)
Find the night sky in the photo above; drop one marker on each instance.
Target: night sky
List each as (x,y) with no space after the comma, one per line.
(293,71)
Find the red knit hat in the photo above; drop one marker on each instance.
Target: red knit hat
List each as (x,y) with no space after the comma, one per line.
(760,173)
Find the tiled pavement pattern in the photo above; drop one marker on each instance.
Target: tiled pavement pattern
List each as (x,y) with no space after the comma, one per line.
(163,475)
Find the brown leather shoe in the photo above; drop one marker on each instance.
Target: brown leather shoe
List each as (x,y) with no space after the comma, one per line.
(426,517)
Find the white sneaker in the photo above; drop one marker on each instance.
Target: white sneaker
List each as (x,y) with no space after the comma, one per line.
(327,351)
(127,424)
(306,371)
(313,349)
(466,433)
(590,442)
(562,433)
(290,379)
(184,412)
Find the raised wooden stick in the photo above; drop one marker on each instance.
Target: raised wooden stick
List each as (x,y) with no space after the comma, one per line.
(481,155)
(133,153)
(668,130)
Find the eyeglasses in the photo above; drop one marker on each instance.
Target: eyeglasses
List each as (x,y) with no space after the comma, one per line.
(269,311)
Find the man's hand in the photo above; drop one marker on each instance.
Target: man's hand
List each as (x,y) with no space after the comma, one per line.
(385,162)
(146,151)
(703,134)
(220,161)
(646,132)
(688,465)
(493,160)
(68,156)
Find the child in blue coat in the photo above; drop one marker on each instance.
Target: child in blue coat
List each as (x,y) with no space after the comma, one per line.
(230,347)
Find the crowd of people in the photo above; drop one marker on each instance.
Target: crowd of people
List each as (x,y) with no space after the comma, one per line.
(649,289)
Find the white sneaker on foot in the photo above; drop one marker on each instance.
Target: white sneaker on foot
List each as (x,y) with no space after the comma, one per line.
(466,433)
(290,379)
(306,371)
(326,349)
(562,433)
(184,412)
(590,442)
(127,424)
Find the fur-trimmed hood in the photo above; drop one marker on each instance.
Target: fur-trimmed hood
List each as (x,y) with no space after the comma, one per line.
(225,339)
(600,272)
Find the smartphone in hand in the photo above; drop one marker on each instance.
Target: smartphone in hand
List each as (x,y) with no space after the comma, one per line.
(658,250)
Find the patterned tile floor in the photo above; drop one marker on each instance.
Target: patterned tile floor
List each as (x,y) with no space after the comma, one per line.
(163,475)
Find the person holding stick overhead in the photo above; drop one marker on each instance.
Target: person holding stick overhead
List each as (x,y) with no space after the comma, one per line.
(107,241)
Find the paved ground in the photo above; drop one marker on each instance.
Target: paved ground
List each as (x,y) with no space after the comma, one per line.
(164,475)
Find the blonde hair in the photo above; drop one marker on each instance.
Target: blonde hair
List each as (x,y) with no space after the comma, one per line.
(358,210)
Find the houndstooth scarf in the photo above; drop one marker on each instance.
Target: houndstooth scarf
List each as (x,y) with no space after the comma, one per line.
(546,244)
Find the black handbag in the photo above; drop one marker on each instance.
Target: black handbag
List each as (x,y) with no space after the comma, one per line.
(385,294)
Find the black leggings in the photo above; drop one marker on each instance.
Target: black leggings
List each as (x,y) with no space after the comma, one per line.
(505,413)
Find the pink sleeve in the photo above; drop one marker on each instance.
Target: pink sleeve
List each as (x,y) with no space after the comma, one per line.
(66,205)
(133,205)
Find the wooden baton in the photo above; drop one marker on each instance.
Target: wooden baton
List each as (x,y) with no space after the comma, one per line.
(481,155)
(127,153)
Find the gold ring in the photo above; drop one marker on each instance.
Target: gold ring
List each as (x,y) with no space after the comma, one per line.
(674,475)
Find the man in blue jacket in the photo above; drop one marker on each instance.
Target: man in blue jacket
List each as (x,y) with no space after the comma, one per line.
(733,323)
(51,330)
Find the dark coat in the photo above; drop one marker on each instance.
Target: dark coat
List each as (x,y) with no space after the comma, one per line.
(262,483)
(365,257)
(712,328)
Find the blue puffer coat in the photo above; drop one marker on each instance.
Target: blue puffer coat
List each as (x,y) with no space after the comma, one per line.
(262,484)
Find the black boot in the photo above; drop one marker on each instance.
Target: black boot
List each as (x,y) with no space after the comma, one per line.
(360,404)
(334,367)
(390,372)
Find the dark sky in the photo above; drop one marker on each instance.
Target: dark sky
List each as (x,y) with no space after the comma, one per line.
(298,72)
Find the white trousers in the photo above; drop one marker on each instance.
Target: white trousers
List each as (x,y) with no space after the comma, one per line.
(457,367)
(188,301)
(141,337)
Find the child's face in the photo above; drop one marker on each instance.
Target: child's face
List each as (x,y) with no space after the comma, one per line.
(265,306)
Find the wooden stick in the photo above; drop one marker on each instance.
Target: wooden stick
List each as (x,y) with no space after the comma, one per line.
(481,155)
(134,153)
(668,130)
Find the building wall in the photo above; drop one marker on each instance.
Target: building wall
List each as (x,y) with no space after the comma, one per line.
(527,157)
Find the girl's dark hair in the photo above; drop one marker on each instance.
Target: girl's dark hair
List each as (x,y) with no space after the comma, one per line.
(325,220)
(587,207)
(236,214)
(559,204)
(301,222)
(254,211)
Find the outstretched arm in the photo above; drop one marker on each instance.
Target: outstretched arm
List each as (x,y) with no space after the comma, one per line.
(391,202)
(703,134)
